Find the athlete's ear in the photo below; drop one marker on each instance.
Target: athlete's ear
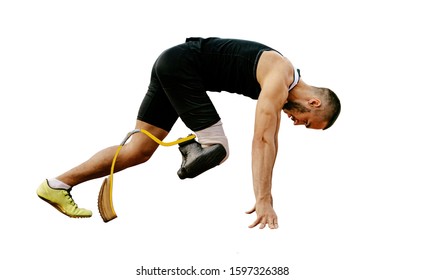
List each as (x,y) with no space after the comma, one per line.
(314,102)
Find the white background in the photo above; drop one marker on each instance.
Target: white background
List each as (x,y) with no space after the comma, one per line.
(349,200)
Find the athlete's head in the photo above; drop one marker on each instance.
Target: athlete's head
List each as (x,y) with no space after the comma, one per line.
(319,109)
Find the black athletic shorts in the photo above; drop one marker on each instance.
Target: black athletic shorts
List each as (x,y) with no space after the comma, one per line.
(182,75)
(176,90)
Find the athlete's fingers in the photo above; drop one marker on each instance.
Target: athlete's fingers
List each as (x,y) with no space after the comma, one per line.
(255,223)
(262,222)
(273,223)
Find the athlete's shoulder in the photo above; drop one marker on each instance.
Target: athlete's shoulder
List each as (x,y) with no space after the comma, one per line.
(272,63)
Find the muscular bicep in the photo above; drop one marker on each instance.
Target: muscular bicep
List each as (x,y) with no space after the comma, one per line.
(267,119)
(268,109)
(274,74)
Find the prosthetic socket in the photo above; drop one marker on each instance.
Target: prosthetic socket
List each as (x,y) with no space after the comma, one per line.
(198,157)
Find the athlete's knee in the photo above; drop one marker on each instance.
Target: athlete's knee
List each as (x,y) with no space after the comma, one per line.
(135,155)
(141,157)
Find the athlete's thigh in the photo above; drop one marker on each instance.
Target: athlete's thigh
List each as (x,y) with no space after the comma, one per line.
(178,70)
(156,108)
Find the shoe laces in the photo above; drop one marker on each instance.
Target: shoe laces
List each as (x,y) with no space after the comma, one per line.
(69,197)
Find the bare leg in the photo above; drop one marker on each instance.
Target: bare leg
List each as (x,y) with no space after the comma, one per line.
(138,150)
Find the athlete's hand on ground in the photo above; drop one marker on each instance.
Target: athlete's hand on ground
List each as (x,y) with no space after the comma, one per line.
(265,216)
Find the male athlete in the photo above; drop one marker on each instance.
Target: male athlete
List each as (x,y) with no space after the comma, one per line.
(180,79)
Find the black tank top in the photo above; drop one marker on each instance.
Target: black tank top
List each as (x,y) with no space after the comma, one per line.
(228,64)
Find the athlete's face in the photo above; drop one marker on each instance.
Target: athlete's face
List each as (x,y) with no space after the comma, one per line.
(303,115)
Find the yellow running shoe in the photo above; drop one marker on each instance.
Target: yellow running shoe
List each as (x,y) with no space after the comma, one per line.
(62,201)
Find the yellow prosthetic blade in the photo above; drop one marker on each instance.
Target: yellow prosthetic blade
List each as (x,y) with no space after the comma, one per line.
(105,201)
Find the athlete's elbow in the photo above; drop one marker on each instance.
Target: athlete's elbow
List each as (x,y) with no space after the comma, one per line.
(260,141)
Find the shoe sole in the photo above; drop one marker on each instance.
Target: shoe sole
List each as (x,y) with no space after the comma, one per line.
(60,209)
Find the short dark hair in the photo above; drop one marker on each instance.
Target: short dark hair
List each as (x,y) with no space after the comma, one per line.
(332,106)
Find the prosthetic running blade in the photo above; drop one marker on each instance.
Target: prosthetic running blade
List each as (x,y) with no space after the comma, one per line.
(105,202)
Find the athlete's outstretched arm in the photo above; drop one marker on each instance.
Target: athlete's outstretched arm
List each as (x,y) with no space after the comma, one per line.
(272,73)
